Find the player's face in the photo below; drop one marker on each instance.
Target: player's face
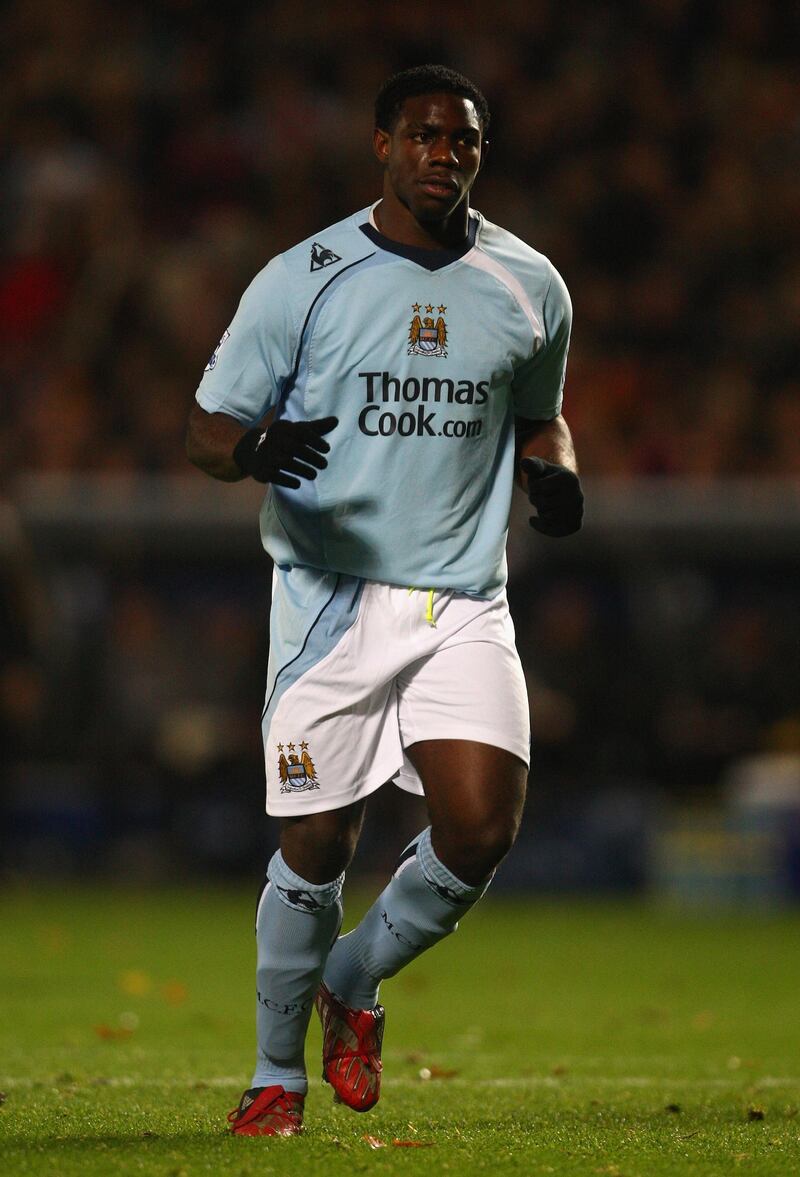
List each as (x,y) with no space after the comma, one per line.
(433,154)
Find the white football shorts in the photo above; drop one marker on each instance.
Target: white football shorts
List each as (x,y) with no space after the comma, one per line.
(359,671)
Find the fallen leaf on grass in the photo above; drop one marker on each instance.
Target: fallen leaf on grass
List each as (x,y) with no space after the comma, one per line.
(112,1033)
(174,992)
(559,1069)
(373,1141)
(755,1113)
(413,982)
(413,1143)
(654,1015)
(134,982)
(673,1107)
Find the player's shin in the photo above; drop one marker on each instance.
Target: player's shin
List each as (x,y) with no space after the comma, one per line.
(296,923)
(421,905)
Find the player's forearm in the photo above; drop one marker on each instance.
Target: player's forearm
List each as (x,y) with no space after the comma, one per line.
(210,441)
(550,440)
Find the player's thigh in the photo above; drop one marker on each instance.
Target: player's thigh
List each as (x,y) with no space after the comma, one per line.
(465,724)
(472,788)
(475,794)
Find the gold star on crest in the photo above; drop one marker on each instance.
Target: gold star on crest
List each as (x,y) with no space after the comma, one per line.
(303,745)
(415,308)
(442,310)
(280,747)
(429,309)
(290,747)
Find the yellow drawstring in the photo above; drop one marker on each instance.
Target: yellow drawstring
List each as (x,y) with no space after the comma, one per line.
(429,610)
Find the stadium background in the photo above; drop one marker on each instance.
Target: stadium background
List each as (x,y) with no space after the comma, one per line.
(154,157)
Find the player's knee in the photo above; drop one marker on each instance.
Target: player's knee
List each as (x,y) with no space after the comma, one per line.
(320,846)
(472,849)
(493,841)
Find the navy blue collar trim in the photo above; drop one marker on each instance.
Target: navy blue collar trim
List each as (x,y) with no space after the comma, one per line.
(431,259)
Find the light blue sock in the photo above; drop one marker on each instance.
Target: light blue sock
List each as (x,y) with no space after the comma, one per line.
(296,923)
(421,905)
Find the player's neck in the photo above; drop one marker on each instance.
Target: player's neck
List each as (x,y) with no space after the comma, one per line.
(399,224)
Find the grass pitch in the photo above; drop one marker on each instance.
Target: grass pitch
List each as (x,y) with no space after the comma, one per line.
(568,1038)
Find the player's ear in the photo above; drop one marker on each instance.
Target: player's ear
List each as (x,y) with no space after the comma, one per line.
(380,144)
(484,152)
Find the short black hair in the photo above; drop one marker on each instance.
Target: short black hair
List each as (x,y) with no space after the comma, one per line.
(426,79)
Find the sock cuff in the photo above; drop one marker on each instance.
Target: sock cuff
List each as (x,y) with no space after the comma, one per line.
(297,892)
(441,880)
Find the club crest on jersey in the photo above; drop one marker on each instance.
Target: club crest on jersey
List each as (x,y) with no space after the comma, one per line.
(426,337)
(297,773)
(321,257)
(213,361)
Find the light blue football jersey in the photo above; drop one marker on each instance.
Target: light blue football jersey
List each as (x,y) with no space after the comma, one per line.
(425,356)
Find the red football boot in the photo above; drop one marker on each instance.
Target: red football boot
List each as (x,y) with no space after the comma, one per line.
(351,1050)
(268,1111)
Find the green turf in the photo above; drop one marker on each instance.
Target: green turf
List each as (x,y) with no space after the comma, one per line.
(584,1039)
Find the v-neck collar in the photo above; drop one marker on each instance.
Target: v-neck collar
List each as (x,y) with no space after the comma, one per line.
(429,259)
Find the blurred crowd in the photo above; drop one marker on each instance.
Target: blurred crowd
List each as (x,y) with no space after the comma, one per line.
(157,155)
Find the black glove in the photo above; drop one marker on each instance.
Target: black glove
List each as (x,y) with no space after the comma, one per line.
(556,494)
(284,449)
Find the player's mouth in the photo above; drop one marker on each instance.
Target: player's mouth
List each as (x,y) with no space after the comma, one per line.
(440,187)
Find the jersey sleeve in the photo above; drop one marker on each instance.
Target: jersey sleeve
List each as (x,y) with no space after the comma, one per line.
(254,358)
(538,385)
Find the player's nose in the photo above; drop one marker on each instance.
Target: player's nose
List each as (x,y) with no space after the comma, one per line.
(443,153)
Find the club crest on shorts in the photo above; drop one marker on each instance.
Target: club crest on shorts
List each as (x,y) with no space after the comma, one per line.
(297,773)
(426,337)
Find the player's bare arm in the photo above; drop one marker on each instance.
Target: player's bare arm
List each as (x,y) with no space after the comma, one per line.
(281,452)
(547,470)
(210,441)
(550,440)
